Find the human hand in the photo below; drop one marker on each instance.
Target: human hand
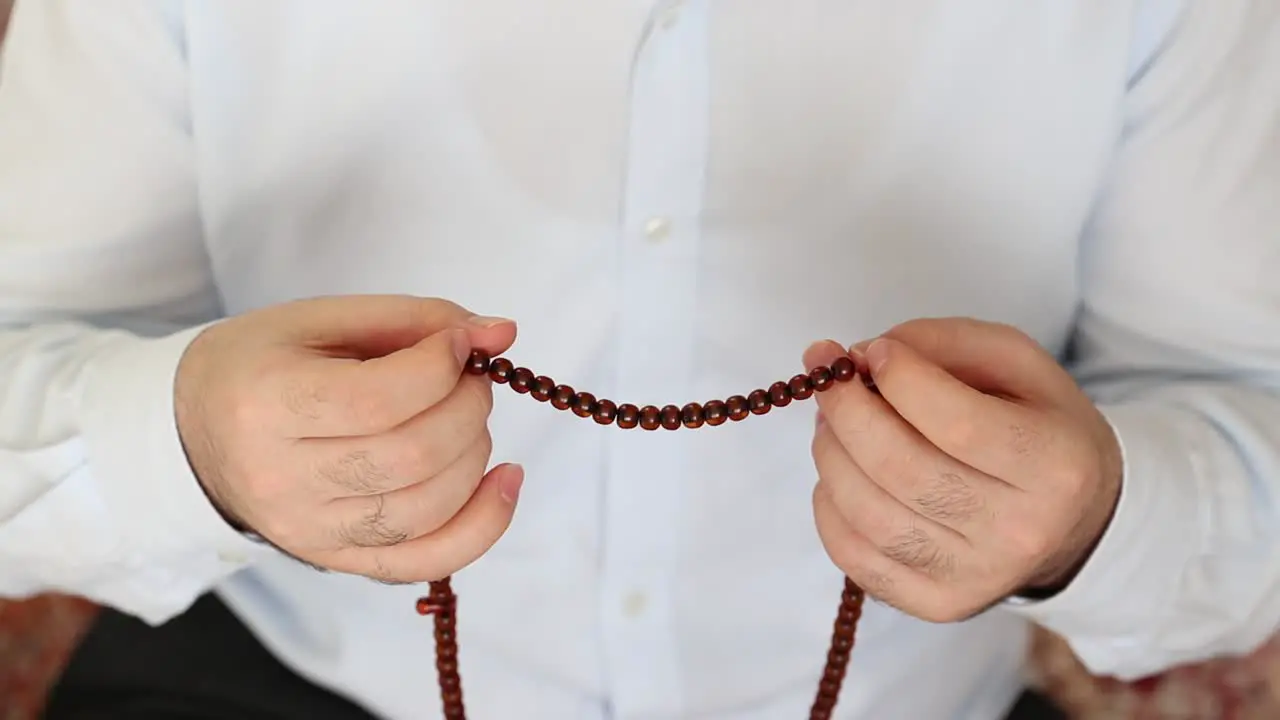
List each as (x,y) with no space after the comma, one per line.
(974,469)
(343,431)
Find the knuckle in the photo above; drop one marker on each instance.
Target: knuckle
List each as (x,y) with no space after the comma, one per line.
(876,584)
(962,436)
(480,397)
(1028,543)
(245,409)
(823,448)
(298,396)
(369,410)
(1075,475)
(370,528)
(356,472)
(435,311)
(286,534)
(379,572)
(1026,440)
(485,447)
(414,460)
(254,490)
(848,414)
(940,608)
(924,334)
(1013,332)
(948,496)
(913,329)
(897,468)
(473,408)
(915,549)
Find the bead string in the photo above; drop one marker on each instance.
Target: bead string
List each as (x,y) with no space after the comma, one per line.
(442,603)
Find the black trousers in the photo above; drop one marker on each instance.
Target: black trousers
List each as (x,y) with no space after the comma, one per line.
(205,665)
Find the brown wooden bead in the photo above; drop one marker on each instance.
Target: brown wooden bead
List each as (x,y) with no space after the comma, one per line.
(500,370)
(693,416)
(738,407)
(844,369)
(606,412)
(522,380)
(650,417)
(801,387)
(628,416)
(542,388)
(584,405)
(821,378)
(671,417)
(715,412)
(478,363)
(780,394)
(562,397)
(758,402)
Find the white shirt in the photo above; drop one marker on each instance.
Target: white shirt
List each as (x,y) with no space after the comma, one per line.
(672,200)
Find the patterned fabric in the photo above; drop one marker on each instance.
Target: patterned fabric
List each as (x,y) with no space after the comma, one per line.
(1238,689)
(36,636)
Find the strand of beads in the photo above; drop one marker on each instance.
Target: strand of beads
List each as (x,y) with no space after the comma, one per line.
(442,603)
(668,417)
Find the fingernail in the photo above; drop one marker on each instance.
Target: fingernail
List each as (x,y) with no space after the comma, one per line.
(823,352)
(509,486)
(487,322)
(461,345)
(877,355)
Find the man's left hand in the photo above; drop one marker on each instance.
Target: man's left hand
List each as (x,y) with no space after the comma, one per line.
(975,469)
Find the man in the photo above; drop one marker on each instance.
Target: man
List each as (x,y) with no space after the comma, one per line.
(222,372)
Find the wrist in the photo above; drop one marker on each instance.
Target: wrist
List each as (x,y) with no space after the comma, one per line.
(197,448)
(1060,570)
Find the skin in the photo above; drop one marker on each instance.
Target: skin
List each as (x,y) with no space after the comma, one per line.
(343,431)
(974,470)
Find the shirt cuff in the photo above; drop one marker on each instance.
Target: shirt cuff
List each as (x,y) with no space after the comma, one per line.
(1128,587)
(169,535)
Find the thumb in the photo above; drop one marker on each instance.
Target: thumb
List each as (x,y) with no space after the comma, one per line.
(369,326)
(994,358)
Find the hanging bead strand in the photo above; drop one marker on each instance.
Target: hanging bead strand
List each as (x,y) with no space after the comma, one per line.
(441,603)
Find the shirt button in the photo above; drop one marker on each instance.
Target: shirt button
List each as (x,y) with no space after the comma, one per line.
(233,558)
(657,229)
(634,604)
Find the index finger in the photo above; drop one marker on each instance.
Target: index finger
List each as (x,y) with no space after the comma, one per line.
(983,431)
(344,397)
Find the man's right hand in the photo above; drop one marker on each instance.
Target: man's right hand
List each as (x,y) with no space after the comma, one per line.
(343,430)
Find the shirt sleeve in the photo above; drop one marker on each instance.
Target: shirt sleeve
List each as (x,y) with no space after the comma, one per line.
(1179,344)
(103,283)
